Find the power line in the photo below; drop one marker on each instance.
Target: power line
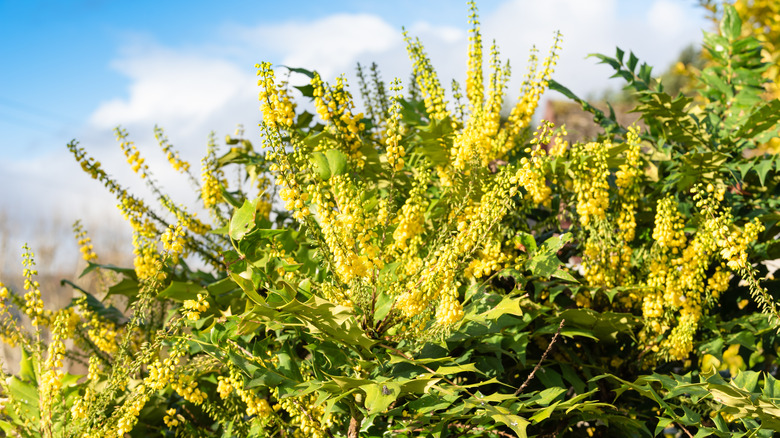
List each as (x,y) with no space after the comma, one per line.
(35,111)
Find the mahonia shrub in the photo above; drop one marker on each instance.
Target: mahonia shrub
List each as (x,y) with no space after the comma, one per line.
(432,267)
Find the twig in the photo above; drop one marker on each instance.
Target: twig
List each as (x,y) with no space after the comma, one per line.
(684,429)
(544,356)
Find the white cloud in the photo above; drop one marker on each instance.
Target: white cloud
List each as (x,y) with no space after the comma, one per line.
(170,87)
(330,44)
(666,17)
(591,27)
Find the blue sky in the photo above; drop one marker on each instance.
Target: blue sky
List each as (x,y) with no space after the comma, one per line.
(76,69)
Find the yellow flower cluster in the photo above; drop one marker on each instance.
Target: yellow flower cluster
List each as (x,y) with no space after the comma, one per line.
(172,419)
(534,84)
(663,280)
(337,294)
(211,192)
(478,139)
(334,104)
(129,411)
(187,388)
(489,259)
(495,100)
(173,156)
(733,245)
(103,334)
(346,228)
(93,370)
(193,308)
(605,263)
(427,80)
(558,144)
(668,231)
(437,283)
(607,254)
(307,416)
(275,103)
(51,380)
(410,220)
(84,242)
(173,241)
(80,408)
(626,180)
(679,343)
(677,280)
(146,262)
(9,329)
(475,88)
(255,405)
(591,183)
(531,175)
(719,282)
(132,154)
(469,144)
(33,302)
(265,201)
(395,151)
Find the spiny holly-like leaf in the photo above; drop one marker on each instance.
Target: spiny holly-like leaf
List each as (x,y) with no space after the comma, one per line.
(243,220)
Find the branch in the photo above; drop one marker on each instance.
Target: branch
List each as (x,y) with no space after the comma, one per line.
(544,356)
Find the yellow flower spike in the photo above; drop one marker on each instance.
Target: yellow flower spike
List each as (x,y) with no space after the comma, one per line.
(85,243)
(33,301)
(395,152)
(275,102)
(534,84)
(474,83)
(427,80)
(591,183)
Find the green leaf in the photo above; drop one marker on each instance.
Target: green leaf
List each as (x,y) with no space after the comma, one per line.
(127,287)
(222,286)
(182,290)
(321,166)
(127,272)
(27,367)
(632,61)
(507,305)
(543,414)
(384,302)
(731,24)
(27,394)
(306,91)
(337,161)
(564,275)
(763,118)
(747,380)
(380,395)
(545,262)
(303,71)
(663,423)
(517,423)
(456,369)
(762,168)
(243,220)
(771,387)
(547,396)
